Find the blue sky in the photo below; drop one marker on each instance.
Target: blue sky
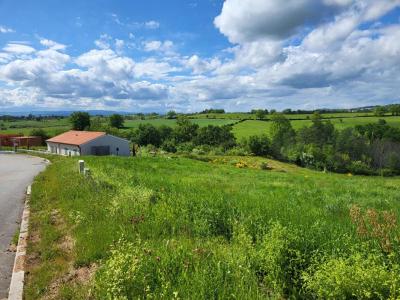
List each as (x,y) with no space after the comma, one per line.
(189,55)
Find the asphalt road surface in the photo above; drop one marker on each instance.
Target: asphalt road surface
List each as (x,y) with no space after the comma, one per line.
(16,173)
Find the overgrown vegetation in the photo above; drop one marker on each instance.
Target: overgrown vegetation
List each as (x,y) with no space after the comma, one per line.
(173,228)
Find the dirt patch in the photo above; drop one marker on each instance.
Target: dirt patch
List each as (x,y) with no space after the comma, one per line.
(67,244)
(81,276)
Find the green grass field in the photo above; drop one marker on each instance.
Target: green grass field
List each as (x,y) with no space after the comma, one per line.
(243,129)
(172,123)
(239,116)
(253,127)
(177,228)
(54,127)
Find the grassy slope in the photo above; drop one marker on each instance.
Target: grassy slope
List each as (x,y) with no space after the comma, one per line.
(179,208)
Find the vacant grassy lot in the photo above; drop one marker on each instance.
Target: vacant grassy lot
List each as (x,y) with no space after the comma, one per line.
(52,126)
(172,123)
(219,229)
(253,127)
(250,116)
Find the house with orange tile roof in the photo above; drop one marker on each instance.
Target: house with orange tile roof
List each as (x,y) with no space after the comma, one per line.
(74,143)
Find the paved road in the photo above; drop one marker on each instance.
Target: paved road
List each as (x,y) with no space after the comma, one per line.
(16,173)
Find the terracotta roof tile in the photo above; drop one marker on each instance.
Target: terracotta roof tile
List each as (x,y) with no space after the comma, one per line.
(73,137)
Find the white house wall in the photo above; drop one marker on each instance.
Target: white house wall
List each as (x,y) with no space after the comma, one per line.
(107,140)
(63,149)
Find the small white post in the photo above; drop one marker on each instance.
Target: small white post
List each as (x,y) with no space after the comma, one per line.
(86,172)
(81,164)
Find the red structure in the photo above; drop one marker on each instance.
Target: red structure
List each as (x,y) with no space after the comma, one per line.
(27,141)
(7,139)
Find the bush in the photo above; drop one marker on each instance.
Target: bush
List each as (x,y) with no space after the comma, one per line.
(215,136)
(259,145)
(355,277)
(280,260)
(264,165)
(116,278)
(169,146)
(237,151)
(185,147)
(147,134)
(360,168)
(39,132)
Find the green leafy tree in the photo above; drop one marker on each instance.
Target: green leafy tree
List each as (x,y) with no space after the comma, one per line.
(171,114)
(281,132)
(80,120)
(146,134)
(215,136)
(39,132)
(185,131)
(380,111)
(97,124)
(320,133)
(395,109)
(259,145)
(116,121)
(260,114)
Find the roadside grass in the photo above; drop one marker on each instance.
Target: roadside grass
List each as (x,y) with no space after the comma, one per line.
(172,227)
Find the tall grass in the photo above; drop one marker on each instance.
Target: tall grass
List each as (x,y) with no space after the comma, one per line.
(179,228)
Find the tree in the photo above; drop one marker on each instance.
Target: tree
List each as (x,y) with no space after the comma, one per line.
(259,145)
(171,114)
(39,132)
(80,120)
(96,124)
(281,132)
(287,111)
(319,133)
(260,114)
(185,130)
(215,136)
(380,111)
(116,121)
(146,134)
(395,109)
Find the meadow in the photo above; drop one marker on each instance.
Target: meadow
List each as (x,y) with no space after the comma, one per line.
(257,127)
(241,129)
(172,122)
(24,127)
(210,228)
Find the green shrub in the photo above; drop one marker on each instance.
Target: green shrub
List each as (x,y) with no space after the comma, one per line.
(116,277)
(280,260)
(169,146)
(359,167)
(259,145)
(264,165)
(355,277)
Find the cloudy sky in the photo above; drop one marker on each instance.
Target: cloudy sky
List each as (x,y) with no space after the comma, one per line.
(157,55)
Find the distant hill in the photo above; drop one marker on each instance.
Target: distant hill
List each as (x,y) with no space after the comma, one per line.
(64,113)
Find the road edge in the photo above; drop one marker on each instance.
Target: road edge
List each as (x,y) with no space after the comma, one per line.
(18,275)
